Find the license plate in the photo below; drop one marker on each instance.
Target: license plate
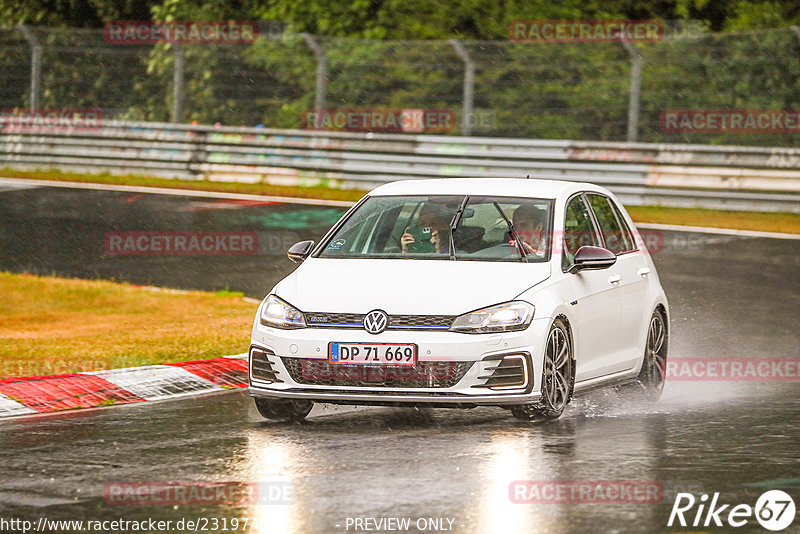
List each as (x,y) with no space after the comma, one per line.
(373,353)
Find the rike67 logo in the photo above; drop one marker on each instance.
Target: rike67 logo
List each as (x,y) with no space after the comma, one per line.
(774,510)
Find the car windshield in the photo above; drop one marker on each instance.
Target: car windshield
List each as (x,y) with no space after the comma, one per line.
(419,227)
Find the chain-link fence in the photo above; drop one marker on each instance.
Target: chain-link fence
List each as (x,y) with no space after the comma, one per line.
(591,91)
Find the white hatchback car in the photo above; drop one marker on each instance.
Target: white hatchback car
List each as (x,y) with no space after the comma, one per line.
(464,293)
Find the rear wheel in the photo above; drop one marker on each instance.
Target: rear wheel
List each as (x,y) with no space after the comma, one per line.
(283,409)
(557,378)
(651,378)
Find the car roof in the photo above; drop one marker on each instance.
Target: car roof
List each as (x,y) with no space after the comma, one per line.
(507,187)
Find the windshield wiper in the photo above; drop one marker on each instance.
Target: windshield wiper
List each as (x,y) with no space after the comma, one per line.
(511,231)
(453,223)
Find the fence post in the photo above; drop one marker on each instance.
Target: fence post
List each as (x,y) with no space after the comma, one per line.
(635,91)
(469,86)
(36,65)
(177,84)
(322,69)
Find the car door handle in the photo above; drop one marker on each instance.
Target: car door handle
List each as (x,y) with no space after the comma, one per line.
(644,271)
(614,279)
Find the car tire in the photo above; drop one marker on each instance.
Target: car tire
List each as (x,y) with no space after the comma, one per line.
(653,375)
(558,378)
(283,409)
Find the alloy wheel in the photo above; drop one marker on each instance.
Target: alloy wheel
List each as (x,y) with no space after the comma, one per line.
(654,366)
(557,378)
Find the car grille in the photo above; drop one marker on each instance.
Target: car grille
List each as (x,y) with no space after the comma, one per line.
(421,375)
(396,322)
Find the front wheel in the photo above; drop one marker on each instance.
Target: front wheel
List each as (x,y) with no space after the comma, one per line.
(283,409)
(557,378)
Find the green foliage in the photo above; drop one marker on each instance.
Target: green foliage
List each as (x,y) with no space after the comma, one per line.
(747,15)
(72,13)
(402,19)
(395,54)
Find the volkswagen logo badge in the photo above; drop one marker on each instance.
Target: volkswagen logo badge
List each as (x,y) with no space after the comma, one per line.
(376,321)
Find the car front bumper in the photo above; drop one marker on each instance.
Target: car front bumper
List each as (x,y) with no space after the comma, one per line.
(480,353)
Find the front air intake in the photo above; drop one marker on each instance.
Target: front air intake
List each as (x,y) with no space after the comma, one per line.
(261,367)
(512,371)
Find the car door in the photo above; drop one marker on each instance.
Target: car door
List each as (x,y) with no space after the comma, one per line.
(631,273)
(595,297)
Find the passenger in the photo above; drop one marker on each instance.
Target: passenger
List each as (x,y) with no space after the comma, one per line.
(529,222)
(431,233)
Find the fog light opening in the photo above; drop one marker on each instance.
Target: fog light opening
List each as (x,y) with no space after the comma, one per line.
(511,372)
(261,367)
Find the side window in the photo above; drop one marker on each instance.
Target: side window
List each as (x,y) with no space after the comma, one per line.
(578,230)
(609,226)
(626,232)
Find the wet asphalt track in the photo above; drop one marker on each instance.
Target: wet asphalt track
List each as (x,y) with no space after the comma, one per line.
(730,297)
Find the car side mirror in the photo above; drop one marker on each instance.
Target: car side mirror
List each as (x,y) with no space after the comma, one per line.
(300,251)
(592,258)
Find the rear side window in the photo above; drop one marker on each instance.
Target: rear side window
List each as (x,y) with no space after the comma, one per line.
(578,230)
(617,238)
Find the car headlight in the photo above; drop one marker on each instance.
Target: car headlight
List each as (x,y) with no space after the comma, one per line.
(506,317)
(280,314)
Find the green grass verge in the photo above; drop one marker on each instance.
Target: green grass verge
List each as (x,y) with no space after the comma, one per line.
(788,223)
(54,325)
(738,220)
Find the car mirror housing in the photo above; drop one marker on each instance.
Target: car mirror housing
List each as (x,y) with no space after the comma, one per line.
(592,258)
(300,251)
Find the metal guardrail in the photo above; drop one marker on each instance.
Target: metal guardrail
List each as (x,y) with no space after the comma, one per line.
(722,177)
